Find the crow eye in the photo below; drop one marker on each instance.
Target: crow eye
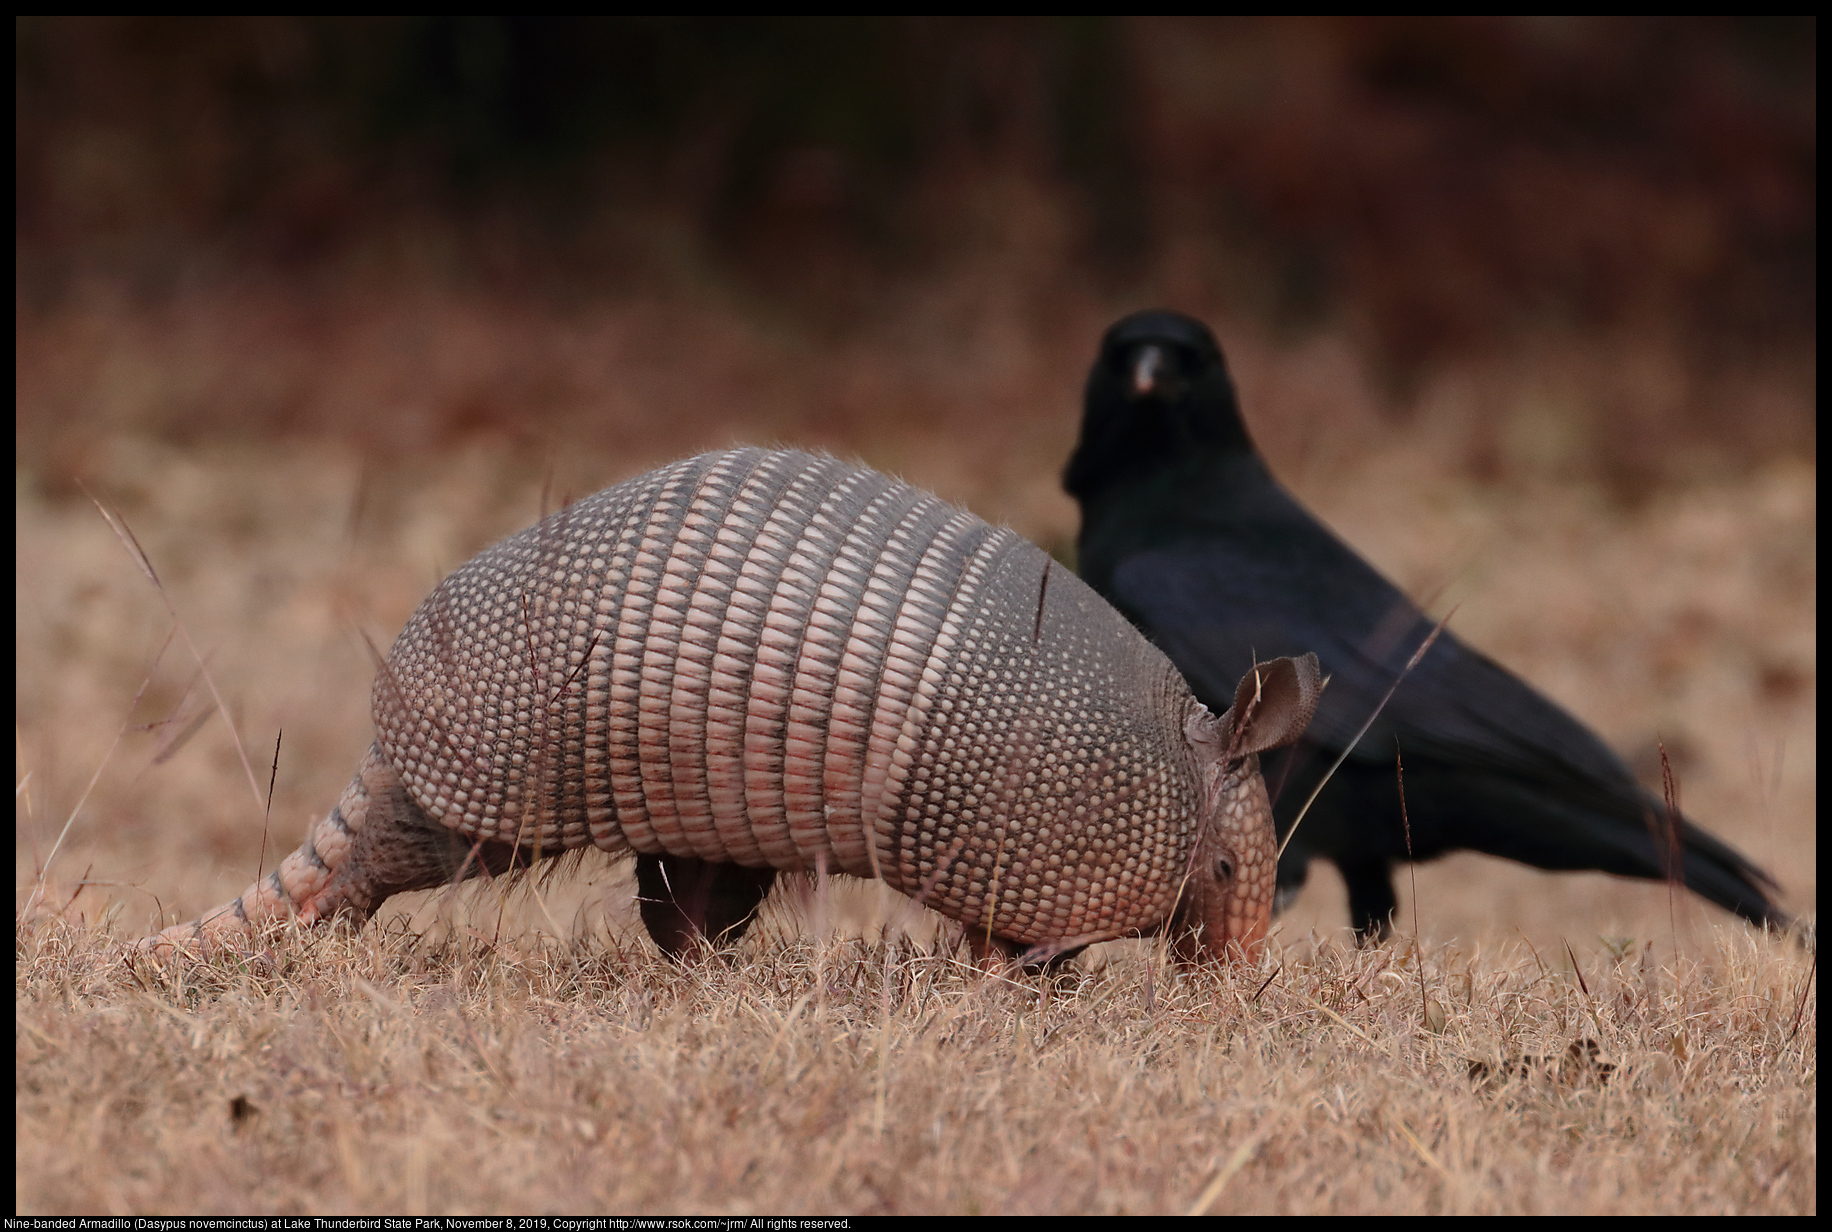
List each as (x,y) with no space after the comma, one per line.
(1224,869)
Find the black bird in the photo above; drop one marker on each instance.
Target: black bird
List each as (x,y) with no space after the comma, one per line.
(1186,532)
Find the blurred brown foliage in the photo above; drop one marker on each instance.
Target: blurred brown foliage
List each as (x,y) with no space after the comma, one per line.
(1525,308)
(1435,191)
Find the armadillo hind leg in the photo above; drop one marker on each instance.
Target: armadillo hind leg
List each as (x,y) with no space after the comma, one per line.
(688,904)
(376,843)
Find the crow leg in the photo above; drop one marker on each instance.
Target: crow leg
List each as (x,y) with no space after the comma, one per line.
(1371,900)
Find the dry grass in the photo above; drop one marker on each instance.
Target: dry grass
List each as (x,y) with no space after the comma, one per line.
(398,1072)
(467,1055)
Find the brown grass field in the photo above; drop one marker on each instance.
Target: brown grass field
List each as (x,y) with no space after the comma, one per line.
(1528,1043)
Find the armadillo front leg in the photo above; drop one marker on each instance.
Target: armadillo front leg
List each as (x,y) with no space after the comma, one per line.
(376,843)
(687,903)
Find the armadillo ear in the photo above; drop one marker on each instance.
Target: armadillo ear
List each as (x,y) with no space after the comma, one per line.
(1277,700)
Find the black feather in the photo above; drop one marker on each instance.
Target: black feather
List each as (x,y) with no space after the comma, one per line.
(1187,533)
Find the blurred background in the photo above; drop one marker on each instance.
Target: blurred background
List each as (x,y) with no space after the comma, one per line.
(1524,307)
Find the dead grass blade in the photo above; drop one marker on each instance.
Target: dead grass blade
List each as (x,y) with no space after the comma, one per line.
(1669,790)
(1236,1161)
(1424,1152)
(1805,988)
(1411,663)
(1324,1009)
(126,535)
(37,894)
(1399,763)
(273,776)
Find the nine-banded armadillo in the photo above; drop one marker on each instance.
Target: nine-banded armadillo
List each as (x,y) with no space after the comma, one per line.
(751,661)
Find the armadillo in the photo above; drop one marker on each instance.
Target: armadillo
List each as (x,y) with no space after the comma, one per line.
(755,660)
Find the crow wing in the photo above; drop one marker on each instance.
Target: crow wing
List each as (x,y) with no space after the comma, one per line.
(1214,607)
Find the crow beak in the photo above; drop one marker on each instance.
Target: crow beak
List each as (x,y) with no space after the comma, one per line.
(1147,369)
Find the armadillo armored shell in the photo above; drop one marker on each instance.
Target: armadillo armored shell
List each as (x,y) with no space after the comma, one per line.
(780,659)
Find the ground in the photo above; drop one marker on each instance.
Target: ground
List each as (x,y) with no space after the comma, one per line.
(474,1053)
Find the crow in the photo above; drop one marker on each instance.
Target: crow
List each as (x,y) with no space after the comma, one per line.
(1188,534)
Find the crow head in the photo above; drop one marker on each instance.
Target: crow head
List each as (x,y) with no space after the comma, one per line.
(1159,392)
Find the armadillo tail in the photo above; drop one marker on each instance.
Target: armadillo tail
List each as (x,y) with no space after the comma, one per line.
(376,843)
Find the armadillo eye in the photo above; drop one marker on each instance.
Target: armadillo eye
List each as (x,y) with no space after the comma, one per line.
(1224,869)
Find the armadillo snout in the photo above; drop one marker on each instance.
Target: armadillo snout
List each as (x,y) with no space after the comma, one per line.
(1226,907)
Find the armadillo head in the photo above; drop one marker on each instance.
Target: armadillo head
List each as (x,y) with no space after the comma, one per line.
(1226,905)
